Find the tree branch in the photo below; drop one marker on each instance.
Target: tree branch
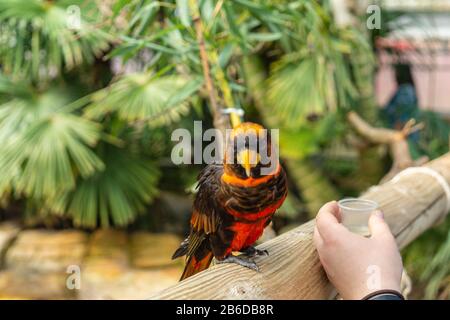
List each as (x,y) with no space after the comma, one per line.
(220,122)
(396,140)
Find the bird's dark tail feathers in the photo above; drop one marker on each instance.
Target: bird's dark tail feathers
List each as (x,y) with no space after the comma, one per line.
(199,255)
(193,265)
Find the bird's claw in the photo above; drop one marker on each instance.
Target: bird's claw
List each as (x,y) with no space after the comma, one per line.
(240,261)
(253,252)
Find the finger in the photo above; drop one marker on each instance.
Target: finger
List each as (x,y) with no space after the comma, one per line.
(330,210)
(378,226)
(317,238)
(327,221)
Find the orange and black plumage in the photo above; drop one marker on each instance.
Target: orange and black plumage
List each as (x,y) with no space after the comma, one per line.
(234,203)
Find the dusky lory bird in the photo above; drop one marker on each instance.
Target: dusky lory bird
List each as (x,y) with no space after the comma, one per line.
(234,203)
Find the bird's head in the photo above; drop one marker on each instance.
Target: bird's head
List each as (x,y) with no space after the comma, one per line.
(248,151)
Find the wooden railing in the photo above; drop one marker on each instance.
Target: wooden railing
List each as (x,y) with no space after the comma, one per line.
(412,203)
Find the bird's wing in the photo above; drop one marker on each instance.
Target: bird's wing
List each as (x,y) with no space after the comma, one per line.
(205,217)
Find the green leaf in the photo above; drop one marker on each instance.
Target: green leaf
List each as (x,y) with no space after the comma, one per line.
(207,9)
(183,12)
(293,91)
(225,55)
(119,5)
(41,38)
(44,148)
(141,97)
(114,196)
(265,37)
(297,144)
(234,29)
(143,18)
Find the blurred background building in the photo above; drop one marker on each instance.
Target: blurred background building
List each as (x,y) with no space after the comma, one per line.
(419,36)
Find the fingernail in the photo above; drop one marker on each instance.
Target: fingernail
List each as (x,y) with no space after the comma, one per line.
(379,214)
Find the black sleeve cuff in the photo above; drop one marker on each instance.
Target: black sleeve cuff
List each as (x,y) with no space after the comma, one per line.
(384,295)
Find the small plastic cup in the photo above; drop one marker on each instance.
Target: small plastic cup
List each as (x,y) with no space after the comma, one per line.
(355,214)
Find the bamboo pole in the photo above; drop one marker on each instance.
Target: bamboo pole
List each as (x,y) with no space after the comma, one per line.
(219,119)
(411,204)
(216,110)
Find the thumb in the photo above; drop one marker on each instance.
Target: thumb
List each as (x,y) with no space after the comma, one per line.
(378,226)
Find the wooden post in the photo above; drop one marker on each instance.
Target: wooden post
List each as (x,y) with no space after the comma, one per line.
(411,204)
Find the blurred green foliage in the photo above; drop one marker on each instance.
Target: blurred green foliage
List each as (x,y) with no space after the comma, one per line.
(90,92)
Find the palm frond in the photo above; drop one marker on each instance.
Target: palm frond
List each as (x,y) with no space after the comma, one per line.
(38,40)
(43,147)
(313,84)
(113,196)
(293,91)
(144,98)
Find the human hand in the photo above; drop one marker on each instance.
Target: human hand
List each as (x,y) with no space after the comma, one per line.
(355,265)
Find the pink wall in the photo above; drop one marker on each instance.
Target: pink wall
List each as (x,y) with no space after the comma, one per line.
(431,76)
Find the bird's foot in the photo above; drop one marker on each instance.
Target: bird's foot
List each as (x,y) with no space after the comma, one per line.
(240,261)
(253,252)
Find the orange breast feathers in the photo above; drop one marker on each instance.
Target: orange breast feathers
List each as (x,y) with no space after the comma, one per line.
(245,234)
